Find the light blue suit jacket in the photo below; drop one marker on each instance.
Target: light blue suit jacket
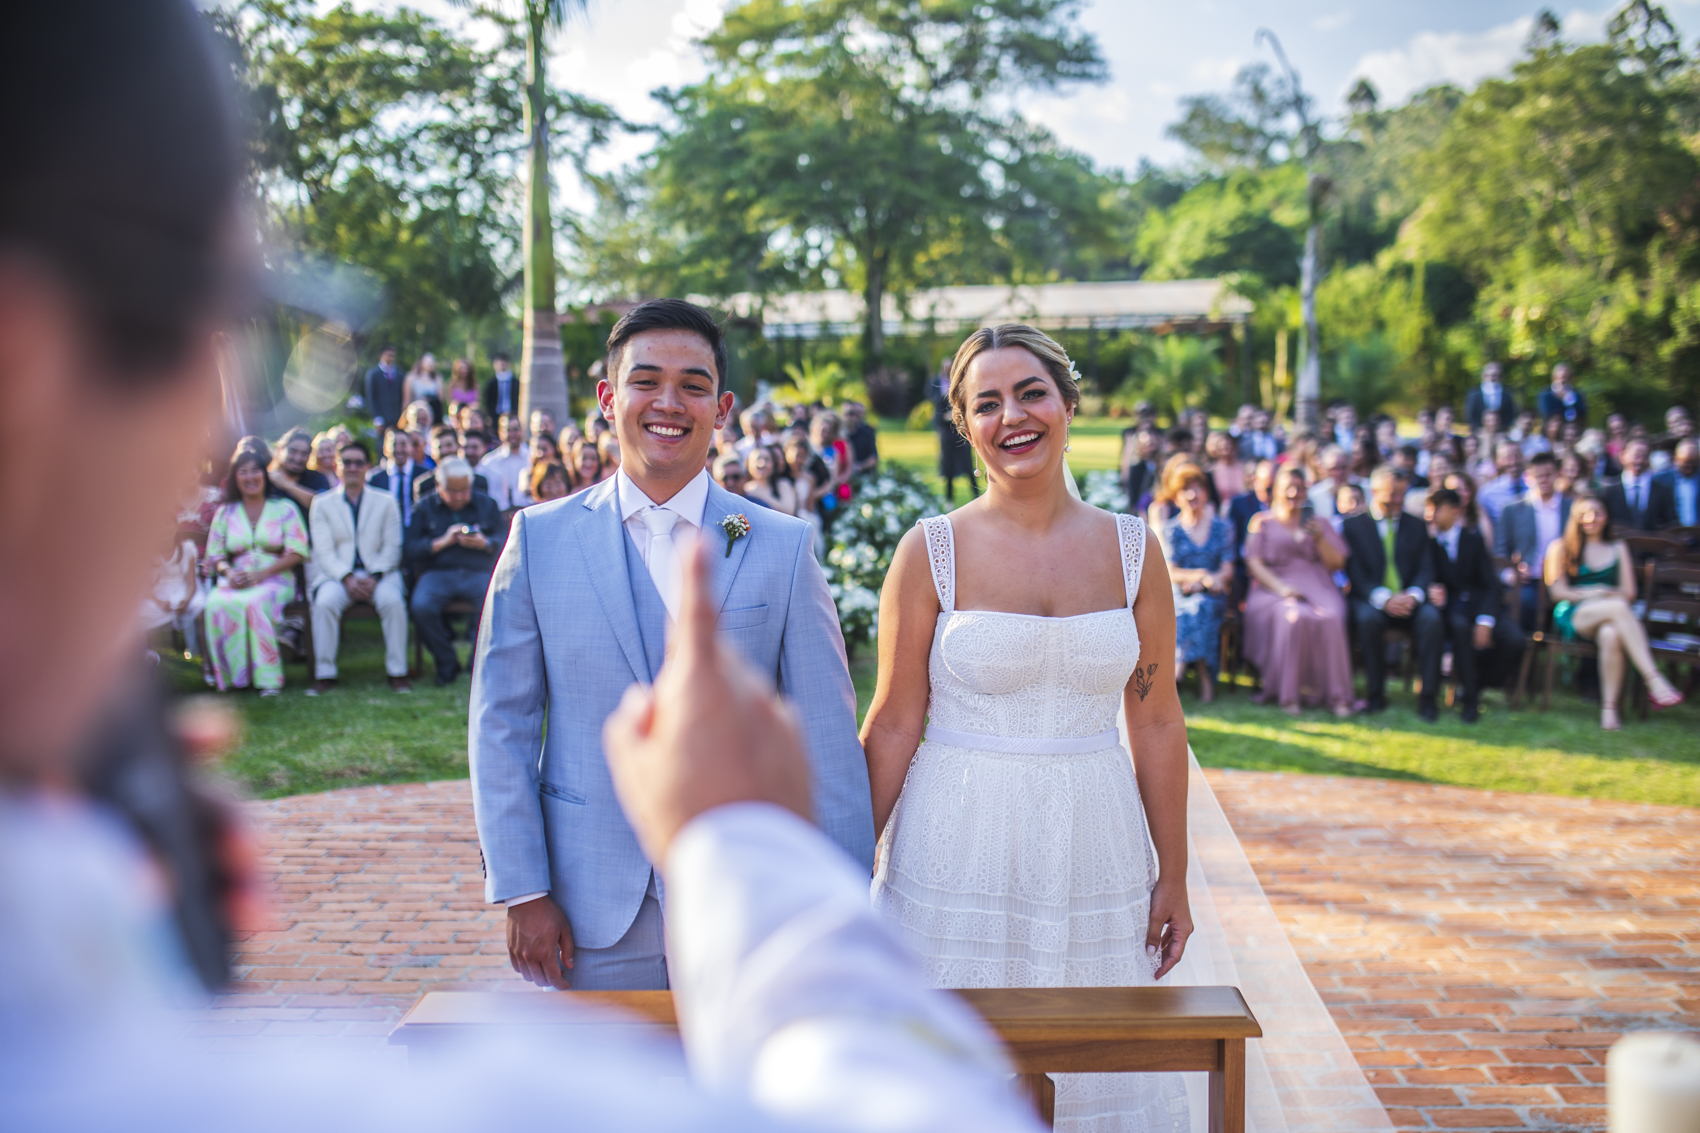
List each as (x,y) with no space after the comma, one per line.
(559,644)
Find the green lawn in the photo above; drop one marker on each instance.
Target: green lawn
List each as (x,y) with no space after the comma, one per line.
(364,733)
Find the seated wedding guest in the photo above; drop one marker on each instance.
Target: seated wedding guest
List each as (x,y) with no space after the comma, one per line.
(1592,579)
(176,599)
(452,544)
(1471,516)
(1486,647)
(418,418)
(257,541)
(444,444)
(323,460)
(400,472)
(765,486)
(463,387)
(728,472)
(1404,462)
(1365,456)
(474,445)
(1487,445)
(1336,473)
(1390,570)
(608,448)
(543,450)
(1260,443)
(1504,488)
(1524,427)
(1617,434)
(1199,547)
(1572,476)
(1416,499)
(1679,426)
(1345,425)
(548,482)
(357,550)
(1247,504)
(289,473)
(507,465)
(542,422)
(1351,501)
(1386,433)
(1295,618)
(568,438)
(1226,472)
(586,467)
(1531,524)
(1680,488)
(1636,500)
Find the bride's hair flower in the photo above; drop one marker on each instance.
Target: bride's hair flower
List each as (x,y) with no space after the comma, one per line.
(736,527)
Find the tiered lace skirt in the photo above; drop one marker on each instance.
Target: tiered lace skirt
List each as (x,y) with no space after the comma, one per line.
(1004,870)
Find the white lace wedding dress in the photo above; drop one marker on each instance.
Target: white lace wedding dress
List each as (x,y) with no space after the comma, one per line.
(1018,855)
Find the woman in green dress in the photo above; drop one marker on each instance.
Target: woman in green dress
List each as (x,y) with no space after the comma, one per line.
(1593,578)
(255,544)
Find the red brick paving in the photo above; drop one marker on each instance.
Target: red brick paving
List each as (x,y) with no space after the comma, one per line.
(1479,951)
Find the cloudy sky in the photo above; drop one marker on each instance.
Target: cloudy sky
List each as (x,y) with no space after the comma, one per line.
(1158,52)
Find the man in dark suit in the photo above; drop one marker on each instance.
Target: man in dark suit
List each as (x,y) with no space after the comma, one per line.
(1490,396)
(399,473)
(501,393)
(1636,501)
(1563,399)
(1240,511)
(1676,502)
(1140,474)
(1486,647)
(383,390)
(1390,571)
(1529,524)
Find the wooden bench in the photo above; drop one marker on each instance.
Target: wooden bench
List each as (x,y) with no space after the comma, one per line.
(1077,1030)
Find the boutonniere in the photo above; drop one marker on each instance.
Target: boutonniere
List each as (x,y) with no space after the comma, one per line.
(736,527)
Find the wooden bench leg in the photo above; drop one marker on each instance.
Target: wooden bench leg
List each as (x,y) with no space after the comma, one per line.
(1043,1091)
(1227,1088)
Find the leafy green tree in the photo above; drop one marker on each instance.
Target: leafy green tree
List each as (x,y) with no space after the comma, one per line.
(859,143)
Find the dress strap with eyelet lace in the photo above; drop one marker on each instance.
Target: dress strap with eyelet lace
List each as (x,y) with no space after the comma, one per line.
(1130,531)
(941,553)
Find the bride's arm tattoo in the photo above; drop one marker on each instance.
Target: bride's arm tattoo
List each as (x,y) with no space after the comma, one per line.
(1142,680)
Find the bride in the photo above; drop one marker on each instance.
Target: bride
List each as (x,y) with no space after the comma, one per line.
(1015,848)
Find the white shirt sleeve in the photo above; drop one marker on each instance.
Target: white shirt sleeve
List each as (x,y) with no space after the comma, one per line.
(793,994)
(512,901)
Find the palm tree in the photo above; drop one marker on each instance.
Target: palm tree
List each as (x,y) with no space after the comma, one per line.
(542,375)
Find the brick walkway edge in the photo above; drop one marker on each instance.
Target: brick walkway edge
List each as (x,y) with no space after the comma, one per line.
(1479,951)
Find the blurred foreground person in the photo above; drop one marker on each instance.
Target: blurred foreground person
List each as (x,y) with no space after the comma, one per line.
(797,1006)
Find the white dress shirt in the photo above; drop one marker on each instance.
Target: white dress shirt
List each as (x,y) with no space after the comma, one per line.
(1547,526)
(505,470)
(688,504)
(1492,394)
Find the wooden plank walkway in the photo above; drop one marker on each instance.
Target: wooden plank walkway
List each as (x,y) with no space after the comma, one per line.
(1480,951)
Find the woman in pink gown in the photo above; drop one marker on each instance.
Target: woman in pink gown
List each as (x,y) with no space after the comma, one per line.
(1295,617)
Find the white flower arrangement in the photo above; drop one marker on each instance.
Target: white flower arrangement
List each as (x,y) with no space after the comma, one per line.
(865,538)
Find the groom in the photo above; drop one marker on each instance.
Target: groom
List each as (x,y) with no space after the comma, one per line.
(579,610)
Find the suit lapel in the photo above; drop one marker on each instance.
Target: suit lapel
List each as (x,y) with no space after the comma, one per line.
(602,544)
(724,565)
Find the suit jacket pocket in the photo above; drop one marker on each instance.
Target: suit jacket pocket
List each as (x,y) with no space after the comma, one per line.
(555,792)
(743,619)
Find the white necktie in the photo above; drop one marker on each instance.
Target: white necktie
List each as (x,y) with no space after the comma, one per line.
(663,558)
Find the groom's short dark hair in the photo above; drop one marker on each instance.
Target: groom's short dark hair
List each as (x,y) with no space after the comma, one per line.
(668,314)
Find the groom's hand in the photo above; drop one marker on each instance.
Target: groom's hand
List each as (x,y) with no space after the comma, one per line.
(540,943)
(709,732)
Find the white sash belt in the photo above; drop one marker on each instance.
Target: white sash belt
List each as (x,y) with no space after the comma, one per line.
(1026,745)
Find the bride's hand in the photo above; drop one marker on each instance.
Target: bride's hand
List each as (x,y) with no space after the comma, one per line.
(1171,924)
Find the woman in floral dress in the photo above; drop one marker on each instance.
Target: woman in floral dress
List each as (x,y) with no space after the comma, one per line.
(256,543)
(1200,549)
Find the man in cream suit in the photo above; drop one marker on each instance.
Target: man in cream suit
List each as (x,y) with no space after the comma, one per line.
(579,610)
(356,558)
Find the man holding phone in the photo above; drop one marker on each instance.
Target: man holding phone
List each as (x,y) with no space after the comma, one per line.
(452,543)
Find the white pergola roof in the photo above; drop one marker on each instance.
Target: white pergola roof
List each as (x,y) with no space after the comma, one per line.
(1112,305)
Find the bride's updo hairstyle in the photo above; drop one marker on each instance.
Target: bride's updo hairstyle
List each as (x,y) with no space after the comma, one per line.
(1036,342)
